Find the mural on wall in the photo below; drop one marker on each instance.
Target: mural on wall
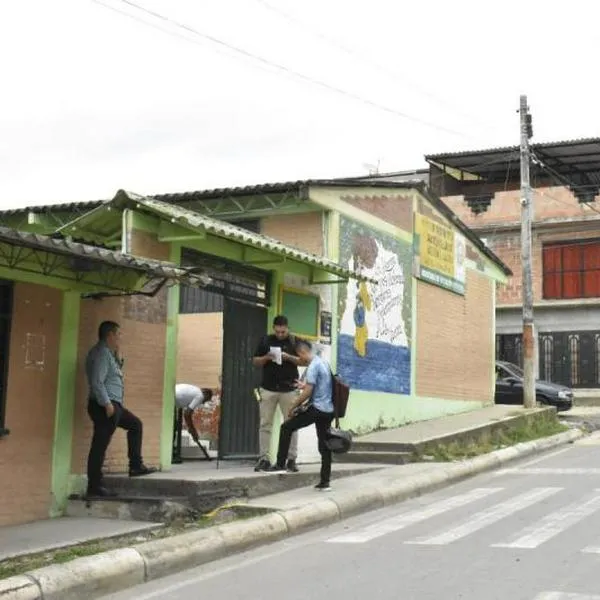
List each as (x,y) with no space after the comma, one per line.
(375,319)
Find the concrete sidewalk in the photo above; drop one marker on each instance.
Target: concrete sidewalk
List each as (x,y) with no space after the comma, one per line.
(53,534)
(452,425)
(291,513)
(211,486)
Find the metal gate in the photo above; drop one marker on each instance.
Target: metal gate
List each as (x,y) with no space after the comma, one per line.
(509,348)
(571,358)
(244,325)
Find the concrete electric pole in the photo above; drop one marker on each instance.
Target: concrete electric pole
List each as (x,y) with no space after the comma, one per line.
(529,400)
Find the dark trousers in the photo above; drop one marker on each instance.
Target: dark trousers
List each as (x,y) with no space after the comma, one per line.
(177,433)
(322,422)
(104,427)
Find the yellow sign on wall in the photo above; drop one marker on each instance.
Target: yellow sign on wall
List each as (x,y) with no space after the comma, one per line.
(440,254)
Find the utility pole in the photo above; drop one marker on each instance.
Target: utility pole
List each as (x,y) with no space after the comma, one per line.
(529,400)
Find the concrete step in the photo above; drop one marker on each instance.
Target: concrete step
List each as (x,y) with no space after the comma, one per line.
(359,446)
(148,508)
(376,458)
(206,494)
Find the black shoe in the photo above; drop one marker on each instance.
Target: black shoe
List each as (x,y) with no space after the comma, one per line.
(141,471)
(277,469)
(291,466)
(262,465)
(323,487)
(99,492)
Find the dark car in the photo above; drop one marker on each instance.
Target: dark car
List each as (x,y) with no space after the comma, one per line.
(509,388)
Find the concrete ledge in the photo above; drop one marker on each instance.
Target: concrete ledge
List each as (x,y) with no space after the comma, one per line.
(242,535)
(101,574)
(20,587)
(92,576)
(311,516)
(353,503)
(178,553)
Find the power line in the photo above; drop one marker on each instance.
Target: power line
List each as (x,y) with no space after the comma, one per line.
(356,54)
(282,68)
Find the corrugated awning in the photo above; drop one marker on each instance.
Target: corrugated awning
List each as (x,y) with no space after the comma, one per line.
(196,222)
(87,265)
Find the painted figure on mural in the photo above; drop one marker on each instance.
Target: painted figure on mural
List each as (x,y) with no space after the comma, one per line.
(363,304)
(364,252)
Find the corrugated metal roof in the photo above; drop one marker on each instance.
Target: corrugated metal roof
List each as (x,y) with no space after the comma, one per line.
(299,187)
(500,149)
(193,220)
(77,207)
(574,162)
(66,247)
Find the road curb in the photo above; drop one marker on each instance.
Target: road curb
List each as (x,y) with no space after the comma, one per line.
(101,574)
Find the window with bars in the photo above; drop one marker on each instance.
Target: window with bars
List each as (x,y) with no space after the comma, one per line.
(572,270)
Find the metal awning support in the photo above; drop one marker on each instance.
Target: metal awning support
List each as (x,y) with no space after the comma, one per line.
(180,224)
(89,266)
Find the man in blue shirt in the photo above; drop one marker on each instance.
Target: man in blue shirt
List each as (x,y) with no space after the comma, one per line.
(105,407)
(314,404)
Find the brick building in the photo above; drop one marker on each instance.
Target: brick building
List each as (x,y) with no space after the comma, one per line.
(41,288)
(482,187)
(391,285)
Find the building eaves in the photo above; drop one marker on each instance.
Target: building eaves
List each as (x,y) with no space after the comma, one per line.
(94,254)
(222,229)
(508,149)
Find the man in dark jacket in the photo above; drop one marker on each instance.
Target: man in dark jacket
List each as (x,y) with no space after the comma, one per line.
(105,408)
(276,354)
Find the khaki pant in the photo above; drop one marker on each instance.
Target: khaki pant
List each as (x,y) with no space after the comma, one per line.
(268,405)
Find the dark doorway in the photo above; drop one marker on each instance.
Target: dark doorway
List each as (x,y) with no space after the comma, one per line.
(220,326)
(509,348)
(571,358)
(6,297)
(244,324)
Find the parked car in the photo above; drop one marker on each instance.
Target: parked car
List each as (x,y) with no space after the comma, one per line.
(509,388)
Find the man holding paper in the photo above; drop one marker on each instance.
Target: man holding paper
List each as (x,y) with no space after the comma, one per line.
(276,354)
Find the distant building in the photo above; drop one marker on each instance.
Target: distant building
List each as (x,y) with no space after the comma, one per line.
(398,293)
(482,188)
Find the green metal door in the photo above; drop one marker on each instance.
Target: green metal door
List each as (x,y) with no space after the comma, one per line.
(243,326)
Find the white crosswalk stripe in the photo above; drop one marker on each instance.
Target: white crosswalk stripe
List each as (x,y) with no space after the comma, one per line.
(488,517)
(565,596)
(415,516)
(548,471)
(551,525)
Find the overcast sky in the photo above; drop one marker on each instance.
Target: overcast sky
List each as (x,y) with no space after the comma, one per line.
(92,100)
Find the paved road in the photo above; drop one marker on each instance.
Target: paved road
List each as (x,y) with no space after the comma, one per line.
(531,532)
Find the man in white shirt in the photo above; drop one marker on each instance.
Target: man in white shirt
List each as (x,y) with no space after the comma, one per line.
(187,399)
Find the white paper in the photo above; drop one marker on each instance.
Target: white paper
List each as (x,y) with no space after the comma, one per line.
(275,352)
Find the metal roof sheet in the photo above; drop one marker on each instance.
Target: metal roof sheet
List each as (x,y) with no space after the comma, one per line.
(66,247)
(193,220)
(576,160)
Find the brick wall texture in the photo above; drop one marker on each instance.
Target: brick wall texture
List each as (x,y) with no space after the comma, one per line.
(26,454)
(455,352)
(396,209)
(303,231)
(144,335)
(200,349)
(550,205)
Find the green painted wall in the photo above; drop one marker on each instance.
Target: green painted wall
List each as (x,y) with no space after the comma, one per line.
(65,402)
(369,411)
(170,373)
